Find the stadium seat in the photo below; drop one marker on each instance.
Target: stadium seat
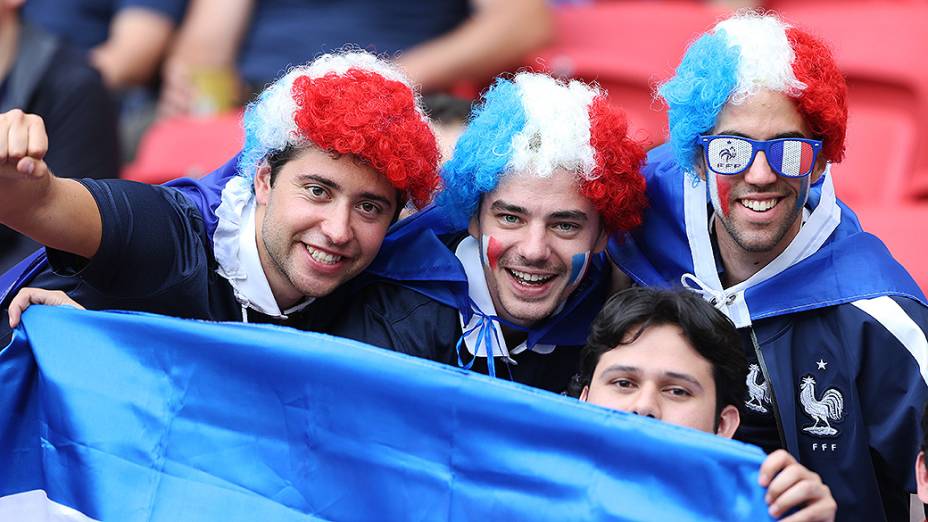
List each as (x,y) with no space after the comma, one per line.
(186,147)
(902,229)
(627,47)
(882,49)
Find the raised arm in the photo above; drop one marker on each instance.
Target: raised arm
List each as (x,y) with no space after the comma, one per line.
(59,213)
(209,38)
(138,39)
(498,35)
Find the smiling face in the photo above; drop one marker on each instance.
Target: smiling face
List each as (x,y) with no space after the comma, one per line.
(661,375)
(321,222)
(759,211)
(537,235)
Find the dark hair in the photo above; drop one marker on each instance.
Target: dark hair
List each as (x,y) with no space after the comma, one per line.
(278,158)
(627,314)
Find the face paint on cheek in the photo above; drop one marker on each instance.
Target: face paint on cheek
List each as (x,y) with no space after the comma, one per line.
(491,251)
(578,264)
(723,188)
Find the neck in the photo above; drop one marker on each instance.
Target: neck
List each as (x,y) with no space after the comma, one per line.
(9,41)
(741,264)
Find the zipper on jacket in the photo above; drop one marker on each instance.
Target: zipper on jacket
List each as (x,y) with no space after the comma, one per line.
(773,395)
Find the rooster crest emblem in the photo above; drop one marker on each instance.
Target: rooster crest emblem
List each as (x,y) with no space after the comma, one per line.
(829,407)
(758,392)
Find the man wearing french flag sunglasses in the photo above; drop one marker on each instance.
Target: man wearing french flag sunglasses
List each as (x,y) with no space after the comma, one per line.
(743,212)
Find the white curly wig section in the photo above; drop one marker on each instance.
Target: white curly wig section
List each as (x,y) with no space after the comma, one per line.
(557,127)
(269,120)
(766,55)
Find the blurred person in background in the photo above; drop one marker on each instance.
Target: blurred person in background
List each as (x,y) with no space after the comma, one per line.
(41,74)
(227,49)
(125,39)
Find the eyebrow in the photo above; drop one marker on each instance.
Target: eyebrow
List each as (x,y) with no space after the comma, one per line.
(508,207)
(303,178)
(503,206)
(618,368)
(792,134)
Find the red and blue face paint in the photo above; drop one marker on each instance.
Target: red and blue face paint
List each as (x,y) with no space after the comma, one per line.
(719,189)
(491,250)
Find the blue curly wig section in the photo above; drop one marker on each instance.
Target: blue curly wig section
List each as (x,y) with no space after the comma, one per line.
(699,89)
(252,151)
(482,152)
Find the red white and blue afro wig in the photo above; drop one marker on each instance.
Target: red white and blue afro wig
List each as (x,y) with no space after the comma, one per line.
(535,124)
(739,57)
(347,103)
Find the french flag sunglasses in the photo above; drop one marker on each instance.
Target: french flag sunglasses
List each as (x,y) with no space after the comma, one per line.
(788,157)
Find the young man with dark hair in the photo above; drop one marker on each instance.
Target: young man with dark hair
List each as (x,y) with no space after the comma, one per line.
(671,356)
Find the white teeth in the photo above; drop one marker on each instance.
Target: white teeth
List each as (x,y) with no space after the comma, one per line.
(759,205)
(529,278)
(322,257)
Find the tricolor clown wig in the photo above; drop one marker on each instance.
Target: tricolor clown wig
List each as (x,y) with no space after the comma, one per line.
(738,58)
(534,124)
(347,103)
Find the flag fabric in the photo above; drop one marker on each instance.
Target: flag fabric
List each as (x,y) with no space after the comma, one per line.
(132,417)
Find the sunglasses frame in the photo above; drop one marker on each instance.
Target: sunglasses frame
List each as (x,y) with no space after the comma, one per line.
(757,146)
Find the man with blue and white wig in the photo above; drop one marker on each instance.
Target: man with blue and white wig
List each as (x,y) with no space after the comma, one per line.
(743,211)
(506,271)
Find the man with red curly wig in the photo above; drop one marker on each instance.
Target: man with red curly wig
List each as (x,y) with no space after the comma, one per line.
(743,212)
(506,271)
(332,151)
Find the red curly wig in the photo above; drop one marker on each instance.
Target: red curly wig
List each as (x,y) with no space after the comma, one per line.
(823,102)
(617,189)
(375,119)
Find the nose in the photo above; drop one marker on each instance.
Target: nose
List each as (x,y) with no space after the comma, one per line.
(646,403)
(534,244)
(337,224)
(760,173)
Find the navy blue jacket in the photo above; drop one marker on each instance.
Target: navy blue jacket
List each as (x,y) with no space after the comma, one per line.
(837,325)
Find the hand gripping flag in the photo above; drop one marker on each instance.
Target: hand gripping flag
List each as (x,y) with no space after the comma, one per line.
(128,417)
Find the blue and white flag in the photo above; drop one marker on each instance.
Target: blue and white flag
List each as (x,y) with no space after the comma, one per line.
(130,417)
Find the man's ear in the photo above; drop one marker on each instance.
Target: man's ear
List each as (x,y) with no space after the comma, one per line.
(263,184)
(585,394)
(921,477)
(473,226)
(729,420)
(699,165)
(819,169)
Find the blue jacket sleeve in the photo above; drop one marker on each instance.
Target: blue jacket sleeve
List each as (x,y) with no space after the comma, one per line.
(891,380)
(153,240)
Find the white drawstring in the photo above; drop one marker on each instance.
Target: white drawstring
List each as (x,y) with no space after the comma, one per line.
(717,298)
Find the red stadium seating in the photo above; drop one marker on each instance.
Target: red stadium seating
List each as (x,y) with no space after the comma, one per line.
(628,47)
(882,49)
(903,229)
(186,146)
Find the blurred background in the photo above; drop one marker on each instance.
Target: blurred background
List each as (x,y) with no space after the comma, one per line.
(152,90)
